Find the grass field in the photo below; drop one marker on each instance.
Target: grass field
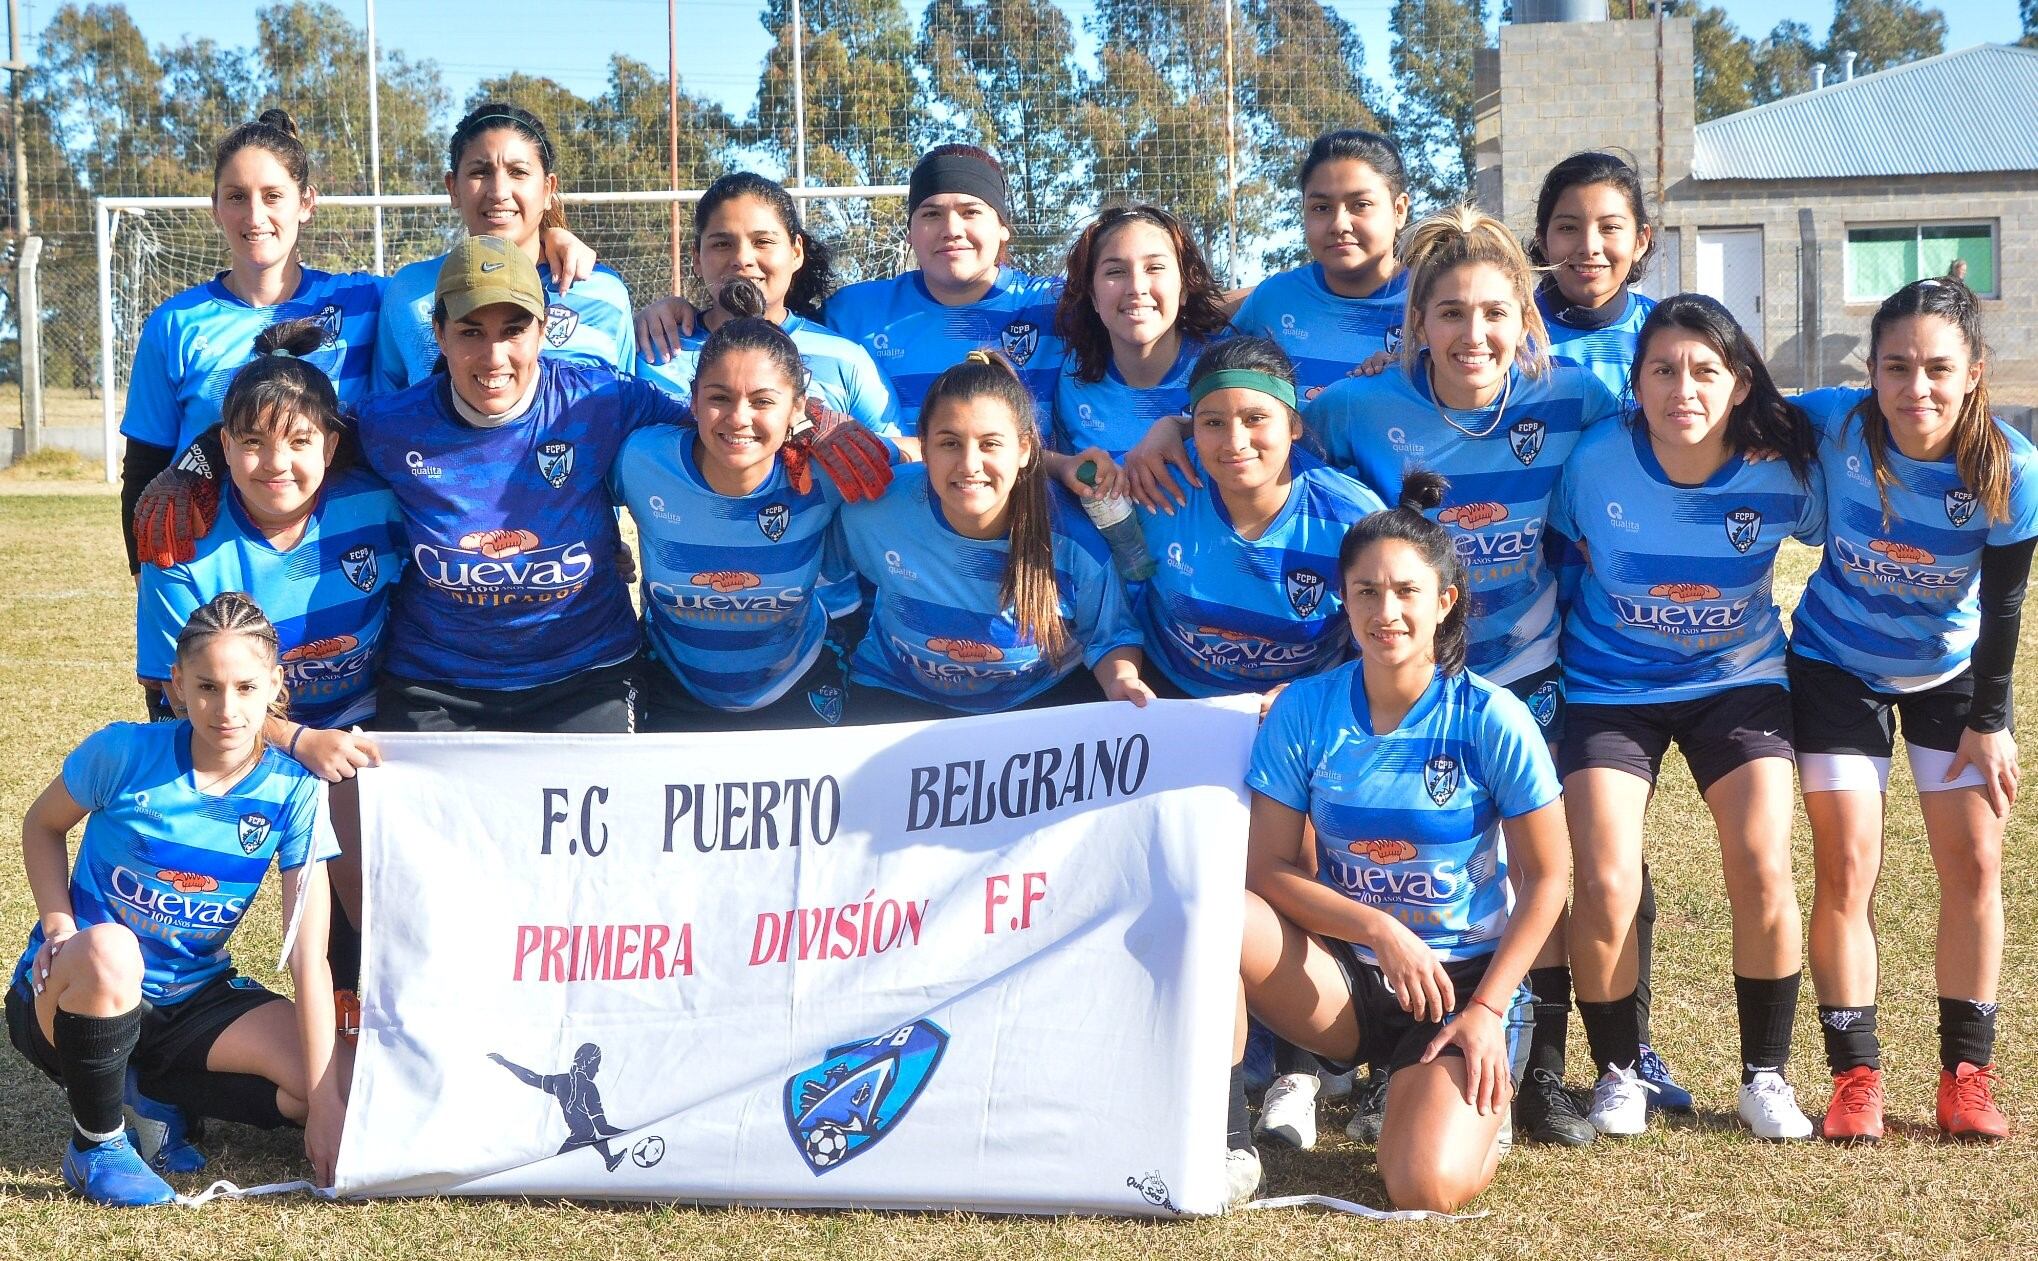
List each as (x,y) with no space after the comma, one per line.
(1704,1190)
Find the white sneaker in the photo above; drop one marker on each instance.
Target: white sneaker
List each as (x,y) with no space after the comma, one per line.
(1620,1104)
(1769,1107)
(1241,1176)
(1335,1087)
(1288,1113)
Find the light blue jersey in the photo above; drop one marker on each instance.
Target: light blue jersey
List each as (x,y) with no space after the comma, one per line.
(1898,603)
(840,372)
(1675,601)
(328,596)
(729,586)
(1325,334)
(193,345)
(1607,350)
(1409,822)
(1502,468)
(589,323)
(176,866)
(1113,415)
(913,338)
(1225,614)
(938,631)
(512,535)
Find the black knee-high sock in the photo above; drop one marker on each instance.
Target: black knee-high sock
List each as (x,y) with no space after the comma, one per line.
(93,1051)
(1552,990)
(1289,1058)
(1967,1033)
(1238,1127)
(343,950)
(1766,1009)
(1849,1034)
(1645,951)
(1613,1032)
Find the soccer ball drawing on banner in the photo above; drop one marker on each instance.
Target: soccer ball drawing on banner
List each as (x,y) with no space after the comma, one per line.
(826,1145)
(648,1152)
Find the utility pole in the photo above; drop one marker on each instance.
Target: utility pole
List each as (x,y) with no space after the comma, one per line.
(27,295)
(375,136)
(672,133)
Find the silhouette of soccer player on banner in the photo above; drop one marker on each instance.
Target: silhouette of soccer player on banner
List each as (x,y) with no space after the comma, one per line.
(579,1101)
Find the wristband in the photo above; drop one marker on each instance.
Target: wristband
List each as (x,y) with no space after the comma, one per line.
(1490,1007)
(292,750)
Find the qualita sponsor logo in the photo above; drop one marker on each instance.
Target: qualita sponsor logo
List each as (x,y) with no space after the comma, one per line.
(1888,561)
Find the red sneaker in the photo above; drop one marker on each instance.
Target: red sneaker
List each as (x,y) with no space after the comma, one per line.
(1855,1113)
(347,1016)
(1967,1105)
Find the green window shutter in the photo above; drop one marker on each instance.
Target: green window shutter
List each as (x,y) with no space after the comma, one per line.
(1880,261)
(1940,243)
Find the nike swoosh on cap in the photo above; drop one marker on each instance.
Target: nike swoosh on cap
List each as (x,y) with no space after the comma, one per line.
(491,266)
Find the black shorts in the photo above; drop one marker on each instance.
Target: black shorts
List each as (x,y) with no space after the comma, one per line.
(1543,693)
(1389,1038)
(817,698)
(176,1037)
(1836,712)
(1717,734)
(870,703)
(599,700)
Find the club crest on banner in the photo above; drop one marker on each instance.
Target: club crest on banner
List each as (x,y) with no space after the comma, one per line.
(358,564)
(1526,438)
(840,1108)
(555,462)
(254,831)
(1305,590)
(1744,526)
(773,520)
(1440,777)
(1960,505)
(1019,340)
(561,322)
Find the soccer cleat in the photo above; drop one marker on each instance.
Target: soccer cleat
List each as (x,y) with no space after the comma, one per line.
(161,1133)
(1241,1176)
(1665,1095)
(1546,1112)
(1288,1114)
(1620,1104)
(347,1016)
(114,1174)
(1855,1113)
(1369,1107)
(1967,1105)
(1769,1108)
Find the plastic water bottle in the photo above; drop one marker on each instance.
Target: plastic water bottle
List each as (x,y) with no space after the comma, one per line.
(1112,515)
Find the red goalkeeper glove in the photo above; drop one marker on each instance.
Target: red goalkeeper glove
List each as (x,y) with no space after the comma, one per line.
(855,459)
(179,505)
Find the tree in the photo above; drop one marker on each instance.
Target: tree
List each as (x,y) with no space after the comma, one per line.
(1783,62)
(1885,32)
(2028,10)
(1723,64)
(1434,44)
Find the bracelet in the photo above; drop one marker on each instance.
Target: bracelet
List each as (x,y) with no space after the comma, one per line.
(292,750)
(1490,1007)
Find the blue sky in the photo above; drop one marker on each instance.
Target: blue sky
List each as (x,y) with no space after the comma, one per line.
(722,43)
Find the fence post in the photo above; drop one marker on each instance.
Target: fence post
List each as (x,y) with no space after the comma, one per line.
(102,231)
(799,98)
(28,316)
(1230,151)
(375,136)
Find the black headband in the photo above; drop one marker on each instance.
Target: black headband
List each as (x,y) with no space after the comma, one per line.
(964,173)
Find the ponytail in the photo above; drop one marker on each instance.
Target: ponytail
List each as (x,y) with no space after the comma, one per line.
(279,384)
(1463,236)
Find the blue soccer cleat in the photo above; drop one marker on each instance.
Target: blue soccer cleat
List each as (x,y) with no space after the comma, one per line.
(161,1133)
(114,1174)
(1665,1095)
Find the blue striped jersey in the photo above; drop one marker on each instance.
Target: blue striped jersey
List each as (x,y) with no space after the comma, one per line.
(1113,415)
(913,338)
(1224,613)
(1898,603)
(193,345)
(841,373)
(512,534)
(1408,822)
(589,323)
(1674,602)
(1325,334)
(1381,427)
(176,866)
(938,630)
(729,582)
(328,596)
(1608,351)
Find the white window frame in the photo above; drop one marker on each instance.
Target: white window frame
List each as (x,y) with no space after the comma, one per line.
(1917,226)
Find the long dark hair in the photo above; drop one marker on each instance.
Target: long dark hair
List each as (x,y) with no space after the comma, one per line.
(276,131)
(1421,491)
(488,116)
(1356,145)
(1201,315)
(742,299)
(278,385)
(1765,420)
(1980,451)
(1582,170)
(816,276)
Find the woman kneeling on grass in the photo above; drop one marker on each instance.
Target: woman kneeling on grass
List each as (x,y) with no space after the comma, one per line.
(126,983)
(1401,950)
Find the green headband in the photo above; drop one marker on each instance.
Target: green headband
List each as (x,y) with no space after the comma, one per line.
(1243,379)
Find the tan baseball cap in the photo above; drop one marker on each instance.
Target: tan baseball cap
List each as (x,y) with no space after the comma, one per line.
(484,270)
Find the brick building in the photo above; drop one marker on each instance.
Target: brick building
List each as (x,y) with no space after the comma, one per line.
(1802,214)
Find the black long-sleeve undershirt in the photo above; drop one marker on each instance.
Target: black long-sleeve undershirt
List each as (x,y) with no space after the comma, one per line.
(2005,570)
(138,467)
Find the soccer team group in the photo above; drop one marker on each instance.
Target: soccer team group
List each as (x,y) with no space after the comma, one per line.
(1487,529)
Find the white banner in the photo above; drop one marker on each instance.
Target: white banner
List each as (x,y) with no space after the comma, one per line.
(979,964)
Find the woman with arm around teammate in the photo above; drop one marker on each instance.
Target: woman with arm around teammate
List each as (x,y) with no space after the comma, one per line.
(1673,636)
(1932,509)
(1401,948)
(1593,234)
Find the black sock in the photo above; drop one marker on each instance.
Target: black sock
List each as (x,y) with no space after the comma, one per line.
(1289,1058)
(1612,1032)
(1552,990)
(92,1052)
(1766,1010)
(1850,1037)
(1645,951)
(343,950)
(1238,1127)
(1967,1033)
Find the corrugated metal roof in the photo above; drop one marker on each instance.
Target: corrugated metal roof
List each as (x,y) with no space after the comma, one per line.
(1960,112)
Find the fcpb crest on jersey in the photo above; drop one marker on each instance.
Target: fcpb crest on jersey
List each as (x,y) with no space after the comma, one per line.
(841,1107)
(1019,340)
(773,520)
(555,462)
(1526,438)
(1305,591)
(328,321)
(358,564)
(254,831)
(561,322)
(1959,506)
(1394,339)
(1744,526)
(827,703)
(1440,777)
